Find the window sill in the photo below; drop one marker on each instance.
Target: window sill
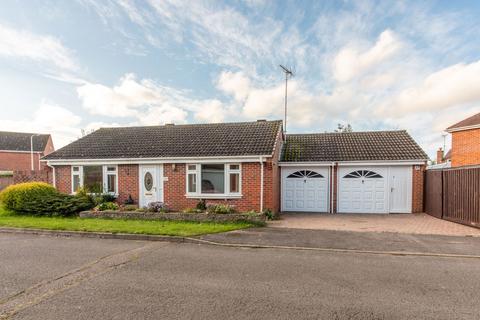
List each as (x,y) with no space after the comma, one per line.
(213,196)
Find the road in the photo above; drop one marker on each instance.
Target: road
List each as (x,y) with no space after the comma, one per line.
(77,278)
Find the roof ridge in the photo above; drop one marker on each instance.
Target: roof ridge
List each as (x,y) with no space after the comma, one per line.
(353,132)
(192,124)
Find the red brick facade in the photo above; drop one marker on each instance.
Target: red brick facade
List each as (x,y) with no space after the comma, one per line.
(63,179)
(465,147)
(418,181)
(128,183)
(175,188)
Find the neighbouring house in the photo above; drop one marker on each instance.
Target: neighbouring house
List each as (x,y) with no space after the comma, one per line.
(23,151)
(442,160)
(251,165)
(465,141)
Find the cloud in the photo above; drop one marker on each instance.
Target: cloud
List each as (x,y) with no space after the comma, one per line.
(350,63)
(211,111)
(41,48)
(235,83)
(48,118)
(452,86)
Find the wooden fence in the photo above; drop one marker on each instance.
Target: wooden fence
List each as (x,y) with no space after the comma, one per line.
(454,194)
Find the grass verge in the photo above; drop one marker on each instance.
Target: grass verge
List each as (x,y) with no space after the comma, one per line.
(169,228)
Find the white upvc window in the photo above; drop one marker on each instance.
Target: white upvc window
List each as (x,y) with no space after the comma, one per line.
(213,180)
(95,178)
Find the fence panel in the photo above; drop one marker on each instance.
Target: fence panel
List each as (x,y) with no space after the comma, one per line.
(434,193)
(461,201)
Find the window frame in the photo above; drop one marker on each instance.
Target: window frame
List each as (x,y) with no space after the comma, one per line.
(105,174)
(198,176)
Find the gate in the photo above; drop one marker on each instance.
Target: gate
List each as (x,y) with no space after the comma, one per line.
(434,193)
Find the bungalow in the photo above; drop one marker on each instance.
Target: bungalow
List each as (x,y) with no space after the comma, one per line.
(251,165)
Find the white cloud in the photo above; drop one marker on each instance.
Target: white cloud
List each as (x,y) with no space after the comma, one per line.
(48,118)
(162,115)
(350,63)
(211,111)
(40,48)
(452,86)
(235,83)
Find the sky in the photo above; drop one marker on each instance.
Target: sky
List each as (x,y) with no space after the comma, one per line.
(73,66)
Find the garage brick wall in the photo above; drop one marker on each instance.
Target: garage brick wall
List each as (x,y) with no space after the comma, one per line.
(465,148)
(63,179)
(418,181)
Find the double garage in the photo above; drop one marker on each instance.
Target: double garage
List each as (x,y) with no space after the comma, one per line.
(347,188)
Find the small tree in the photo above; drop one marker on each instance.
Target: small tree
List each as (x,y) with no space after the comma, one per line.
(343,128)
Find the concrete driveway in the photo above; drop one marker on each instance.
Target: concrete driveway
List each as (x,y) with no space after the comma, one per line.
(398,223)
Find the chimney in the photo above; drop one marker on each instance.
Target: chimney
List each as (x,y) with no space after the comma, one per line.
(169,124)
(261,120)
(440,155)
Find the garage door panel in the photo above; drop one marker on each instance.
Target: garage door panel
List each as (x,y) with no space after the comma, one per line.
(305,189)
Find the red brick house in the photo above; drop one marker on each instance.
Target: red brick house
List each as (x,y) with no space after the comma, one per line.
(465,141)
(251,165)
(16,149)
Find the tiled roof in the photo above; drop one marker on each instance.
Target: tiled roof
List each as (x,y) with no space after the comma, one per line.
(20,141)
(352,146)
(195,140)
(471,121)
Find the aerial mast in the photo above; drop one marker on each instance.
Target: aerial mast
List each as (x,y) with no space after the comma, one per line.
(288,74)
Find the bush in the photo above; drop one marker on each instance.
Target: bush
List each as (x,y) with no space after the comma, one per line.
(129,200)
(269,214)
(128,207)
(15,196)
(220,208)
(157,206)
(107,206)
(201,205)
(38,198)
(102,198)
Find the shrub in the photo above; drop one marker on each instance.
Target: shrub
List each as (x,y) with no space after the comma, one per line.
(157,206)
(15,196)
(128,207)
(220,208)
(107,197)
(130,200)
(107,206)
(269,214)
(202,205)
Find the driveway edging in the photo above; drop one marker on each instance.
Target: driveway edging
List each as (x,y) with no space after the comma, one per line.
(144,237)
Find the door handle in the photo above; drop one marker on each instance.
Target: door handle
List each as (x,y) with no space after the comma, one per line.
(391,189)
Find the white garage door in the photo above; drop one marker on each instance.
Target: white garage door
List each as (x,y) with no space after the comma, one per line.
(374,189)
(305,189)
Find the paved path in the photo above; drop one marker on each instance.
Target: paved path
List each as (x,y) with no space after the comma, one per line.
(398,223)
(119,279)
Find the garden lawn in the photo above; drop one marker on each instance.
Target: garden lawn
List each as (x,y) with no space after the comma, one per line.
(169,228)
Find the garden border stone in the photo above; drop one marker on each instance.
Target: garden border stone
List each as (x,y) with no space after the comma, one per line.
(174,216)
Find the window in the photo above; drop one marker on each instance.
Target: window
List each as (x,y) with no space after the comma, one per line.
(192,178)
(363,173)
(213,179)
(305,174)
(234,177)
(76,179)
(96,179)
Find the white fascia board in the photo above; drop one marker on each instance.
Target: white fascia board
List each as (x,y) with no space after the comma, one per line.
(477,126)
(155,160)
(306,164)
(382,163)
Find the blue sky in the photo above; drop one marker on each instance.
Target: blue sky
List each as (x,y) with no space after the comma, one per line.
(72,65)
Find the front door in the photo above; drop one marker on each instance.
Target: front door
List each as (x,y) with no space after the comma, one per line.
(151,184)
(401,189)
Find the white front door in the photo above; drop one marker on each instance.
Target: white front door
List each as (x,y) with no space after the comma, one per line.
(363,190)
(401,189)
(305,189)
(151,184)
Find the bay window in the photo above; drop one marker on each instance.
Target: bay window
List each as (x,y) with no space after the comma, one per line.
(213,180)
(95,178)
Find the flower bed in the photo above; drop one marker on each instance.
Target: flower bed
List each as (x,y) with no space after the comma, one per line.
(175,216)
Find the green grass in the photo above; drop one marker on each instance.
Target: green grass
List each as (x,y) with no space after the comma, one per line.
(170,228)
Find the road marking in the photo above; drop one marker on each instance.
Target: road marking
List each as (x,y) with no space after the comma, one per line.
(46,289)
(393,253)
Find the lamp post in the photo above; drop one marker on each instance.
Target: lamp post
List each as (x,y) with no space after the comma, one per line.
(31,150)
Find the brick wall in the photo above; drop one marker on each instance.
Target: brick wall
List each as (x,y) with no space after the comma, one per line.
(465,147)
(10,161)
(128,182)
(418,188)
(334,188)
(63,179)
(175,188)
